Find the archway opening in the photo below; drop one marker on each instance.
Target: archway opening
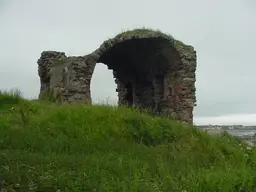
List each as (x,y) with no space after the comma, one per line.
(137,65)
(103,86)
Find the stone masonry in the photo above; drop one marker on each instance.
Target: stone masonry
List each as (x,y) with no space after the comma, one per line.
(68,77)
(152,71)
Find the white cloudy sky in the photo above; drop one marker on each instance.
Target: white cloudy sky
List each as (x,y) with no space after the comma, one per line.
(222,31)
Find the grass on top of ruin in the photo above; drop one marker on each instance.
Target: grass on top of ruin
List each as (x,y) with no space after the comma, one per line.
(48,147)
(143,31)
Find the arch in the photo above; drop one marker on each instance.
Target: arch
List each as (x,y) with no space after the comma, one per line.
(152,70)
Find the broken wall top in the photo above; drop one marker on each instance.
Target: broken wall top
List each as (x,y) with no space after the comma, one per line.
(183,49)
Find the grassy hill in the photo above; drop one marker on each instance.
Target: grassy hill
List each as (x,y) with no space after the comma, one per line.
(49,147)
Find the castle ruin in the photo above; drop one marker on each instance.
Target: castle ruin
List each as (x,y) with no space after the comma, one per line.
(152,71)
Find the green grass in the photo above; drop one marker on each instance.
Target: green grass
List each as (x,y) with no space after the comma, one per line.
(142,31)
(9,98)
(48,147)
(147,33)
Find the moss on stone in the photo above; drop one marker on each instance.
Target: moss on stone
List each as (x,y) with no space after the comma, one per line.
(59,62)
(49,95)
(139,33)
(148,33)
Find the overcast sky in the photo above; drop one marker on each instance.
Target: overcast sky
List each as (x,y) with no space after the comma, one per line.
(222,31)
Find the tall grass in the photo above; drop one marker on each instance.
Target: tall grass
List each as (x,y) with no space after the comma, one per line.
(48,147)
(9,98)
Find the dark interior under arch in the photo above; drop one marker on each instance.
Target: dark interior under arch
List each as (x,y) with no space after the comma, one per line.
(140,58)
(137,64)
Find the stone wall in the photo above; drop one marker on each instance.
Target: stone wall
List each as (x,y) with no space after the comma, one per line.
(151,69)
(67,78)
(179,85)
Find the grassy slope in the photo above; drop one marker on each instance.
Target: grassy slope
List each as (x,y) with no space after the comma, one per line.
(44,147)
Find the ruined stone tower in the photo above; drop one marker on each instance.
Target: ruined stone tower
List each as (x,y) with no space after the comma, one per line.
(152,71)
